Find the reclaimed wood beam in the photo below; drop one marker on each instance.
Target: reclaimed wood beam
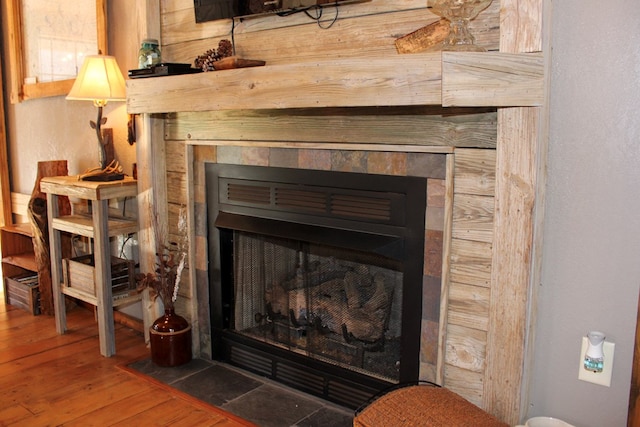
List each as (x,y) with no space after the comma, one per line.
(492,78)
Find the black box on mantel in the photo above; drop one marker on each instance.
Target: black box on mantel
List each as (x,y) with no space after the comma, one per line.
(168,69)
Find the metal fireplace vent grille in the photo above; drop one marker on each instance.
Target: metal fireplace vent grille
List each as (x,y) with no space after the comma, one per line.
(319,383)
(250,360)
(367,205)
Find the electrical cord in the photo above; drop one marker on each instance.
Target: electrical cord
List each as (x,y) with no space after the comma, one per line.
(318,9)
(124,243)
(233,35)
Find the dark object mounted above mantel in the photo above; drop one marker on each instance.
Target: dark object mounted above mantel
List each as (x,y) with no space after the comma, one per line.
(211,10)
(165,69)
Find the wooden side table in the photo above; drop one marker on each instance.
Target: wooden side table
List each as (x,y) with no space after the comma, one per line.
(99,227)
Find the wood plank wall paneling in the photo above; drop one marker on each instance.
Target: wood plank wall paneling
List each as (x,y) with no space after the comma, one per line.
(179,19)
(177,198)
(367,30)
(470,272)
(462,127)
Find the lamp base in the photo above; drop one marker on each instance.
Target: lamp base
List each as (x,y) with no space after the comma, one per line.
(104,177)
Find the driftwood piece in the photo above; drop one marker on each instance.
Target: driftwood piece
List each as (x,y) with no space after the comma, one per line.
(429,37)
(37,213)
(232,62)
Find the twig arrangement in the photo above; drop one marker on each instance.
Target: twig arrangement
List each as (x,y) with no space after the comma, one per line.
(171,257)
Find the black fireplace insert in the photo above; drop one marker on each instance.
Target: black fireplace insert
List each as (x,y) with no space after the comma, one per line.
(316,276)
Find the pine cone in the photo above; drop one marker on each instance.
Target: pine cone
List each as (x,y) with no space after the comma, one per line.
(206,60)
(225,48)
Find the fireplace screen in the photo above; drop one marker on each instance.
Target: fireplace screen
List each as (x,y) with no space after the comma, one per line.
(332,304)
(316,277)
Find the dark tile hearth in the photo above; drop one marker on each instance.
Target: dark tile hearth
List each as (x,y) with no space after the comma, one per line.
(248,396)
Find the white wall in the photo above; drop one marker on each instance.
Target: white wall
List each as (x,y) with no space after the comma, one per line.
(57,129)
(591,251)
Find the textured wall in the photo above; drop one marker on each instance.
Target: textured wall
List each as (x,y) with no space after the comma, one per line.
(57,129)
(592,231)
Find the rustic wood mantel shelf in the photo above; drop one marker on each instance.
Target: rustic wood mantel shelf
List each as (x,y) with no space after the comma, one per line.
(463,79)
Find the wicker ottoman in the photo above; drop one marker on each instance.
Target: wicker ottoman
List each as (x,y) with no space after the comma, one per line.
(424,405)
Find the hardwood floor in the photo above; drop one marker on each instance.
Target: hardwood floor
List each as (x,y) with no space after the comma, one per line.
(49,379)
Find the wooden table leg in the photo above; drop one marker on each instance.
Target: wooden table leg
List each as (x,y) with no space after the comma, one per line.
(102,276)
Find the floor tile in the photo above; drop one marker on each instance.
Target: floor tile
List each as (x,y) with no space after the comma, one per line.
(325,417)
(254,398)
(216,385)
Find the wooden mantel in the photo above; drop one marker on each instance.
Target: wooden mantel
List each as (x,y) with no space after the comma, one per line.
(449,79)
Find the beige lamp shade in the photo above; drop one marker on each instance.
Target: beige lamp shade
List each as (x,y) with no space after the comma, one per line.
(99,80)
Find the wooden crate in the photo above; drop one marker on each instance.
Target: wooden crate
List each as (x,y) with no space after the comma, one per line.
(23,291)
(78,273)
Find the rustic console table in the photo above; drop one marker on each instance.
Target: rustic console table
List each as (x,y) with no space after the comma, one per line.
(98,226)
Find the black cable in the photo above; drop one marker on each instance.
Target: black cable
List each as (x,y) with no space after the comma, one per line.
(233,34)
(124,243)
(318,9)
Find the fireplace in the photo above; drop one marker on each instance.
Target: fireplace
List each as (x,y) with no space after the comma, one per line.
(316,277)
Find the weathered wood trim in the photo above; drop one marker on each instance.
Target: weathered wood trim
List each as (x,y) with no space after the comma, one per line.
(425,126)
(520,147)
(322,146)
(15,61)
(20,203)
(188,164)
(488,78)
(538,213)
(151,164)
(470,271)
(349,82)
(446,268)
(512,259)
(5,183)
(151,160)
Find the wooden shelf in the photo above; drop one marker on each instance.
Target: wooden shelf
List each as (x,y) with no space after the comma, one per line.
(100,227)
(18,259)
(83,225)
(17,249)
(24,229)
(89,190)
(117,300)
(25,260)
(440,78)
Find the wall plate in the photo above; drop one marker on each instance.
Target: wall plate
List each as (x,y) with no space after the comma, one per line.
(600,378)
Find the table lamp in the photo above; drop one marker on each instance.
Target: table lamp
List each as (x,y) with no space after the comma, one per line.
(100,81)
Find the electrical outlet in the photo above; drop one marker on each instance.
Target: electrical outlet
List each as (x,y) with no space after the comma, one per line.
(600,378)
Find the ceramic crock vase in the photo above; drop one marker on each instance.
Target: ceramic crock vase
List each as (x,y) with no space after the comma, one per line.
(170,340)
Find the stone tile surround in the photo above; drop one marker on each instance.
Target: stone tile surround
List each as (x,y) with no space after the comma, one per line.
(428,165)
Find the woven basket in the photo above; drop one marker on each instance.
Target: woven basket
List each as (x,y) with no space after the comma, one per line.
(425,406)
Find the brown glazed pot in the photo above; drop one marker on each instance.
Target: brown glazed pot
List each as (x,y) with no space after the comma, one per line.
(170,340)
